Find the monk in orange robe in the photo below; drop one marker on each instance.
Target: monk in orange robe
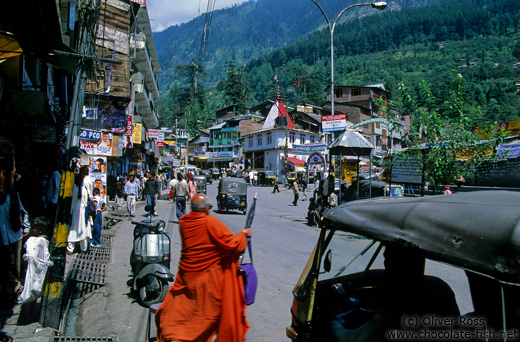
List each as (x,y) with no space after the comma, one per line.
(207,296)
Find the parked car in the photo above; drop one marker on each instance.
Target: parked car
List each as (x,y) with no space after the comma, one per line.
(473,235)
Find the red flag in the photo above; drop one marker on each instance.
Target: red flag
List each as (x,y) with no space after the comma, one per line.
(297,83)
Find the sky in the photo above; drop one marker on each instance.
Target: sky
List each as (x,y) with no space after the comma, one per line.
(165,13)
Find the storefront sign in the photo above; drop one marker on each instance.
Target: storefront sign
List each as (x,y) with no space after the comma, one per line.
(160,139)
(331,123)
(138,129)
(311,148)
(90,135)
(316,159)
(101,147)
(129,125)
(153,133)
(509,150)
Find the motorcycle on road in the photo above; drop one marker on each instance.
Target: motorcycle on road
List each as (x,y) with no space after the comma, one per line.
(150,261)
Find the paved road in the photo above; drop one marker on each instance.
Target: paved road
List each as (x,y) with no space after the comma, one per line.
(281,246)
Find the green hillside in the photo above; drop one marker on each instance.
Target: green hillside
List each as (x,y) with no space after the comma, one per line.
(477,38)
(250,30)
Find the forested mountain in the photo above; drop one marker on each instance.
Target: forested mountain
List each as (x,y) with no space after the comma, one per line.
(477,38)
(250,30)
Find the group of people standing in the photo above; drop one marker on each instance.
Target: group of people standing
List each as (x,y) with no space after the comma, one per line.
(87,213)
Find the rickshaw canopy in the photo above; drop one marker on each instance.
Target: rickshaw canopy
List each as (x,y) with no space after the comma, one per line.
(477,231)
(232,185)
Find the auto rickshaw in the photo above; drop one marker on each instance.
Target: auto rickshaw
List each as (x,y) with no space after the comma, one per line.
(207,174)
(215,173)
(200,180)
(294,175)
(368,189)
(414,252)
(232,194)
(266,178)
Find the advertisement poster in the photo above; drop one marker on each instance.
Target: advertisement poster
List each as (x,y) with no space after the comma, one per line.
(103,146)
(113,118)
(138,129)
(97,171)
(129,141)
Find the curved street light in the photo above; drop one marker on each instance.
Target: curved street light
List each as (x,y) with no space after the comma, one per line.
(379,5)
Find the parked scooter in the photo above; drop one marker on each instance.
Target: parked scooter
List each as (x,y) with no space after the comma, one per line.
(150,261)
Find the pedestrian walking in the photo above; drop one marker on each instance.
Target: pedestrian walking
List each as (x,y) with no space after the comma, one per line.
(304,190)
(296,192)
(101,206)
(192,188)
(276,188)
(207,285)
(14,222)
(151,191)
(180,194)
(80,226)
(251,177)
(131,190)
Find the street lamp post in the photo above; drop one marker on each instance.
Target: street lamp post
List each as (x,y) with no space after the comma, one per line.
(380,5)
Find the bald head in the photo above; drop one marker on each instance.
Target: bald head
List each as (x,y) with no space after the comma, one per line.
(199,203)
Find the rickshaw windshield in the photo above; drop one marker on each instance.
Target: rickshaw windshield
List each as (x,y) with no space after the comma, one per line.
(350,253)
(395,192)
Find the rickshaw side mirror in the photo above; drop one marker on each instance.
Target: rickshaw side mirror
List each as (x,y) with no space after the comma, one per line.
(327,262)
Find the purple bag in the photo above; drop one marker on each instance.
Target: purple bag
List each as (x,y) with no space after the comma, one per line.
(248,273)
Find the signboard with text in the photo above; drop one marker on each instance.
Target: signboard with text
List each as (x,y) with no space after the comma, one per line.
(331,123)
(407,170)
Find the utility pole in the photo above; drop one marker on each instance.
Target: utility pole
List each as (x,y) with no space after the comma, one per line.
(51,313)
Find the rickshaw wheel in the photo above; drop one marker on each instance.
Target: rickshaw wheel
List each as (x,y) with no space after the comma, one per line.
(244,211)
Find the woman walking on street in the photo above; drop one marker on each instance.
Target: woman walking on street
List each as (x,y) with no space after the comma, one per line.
(79,230)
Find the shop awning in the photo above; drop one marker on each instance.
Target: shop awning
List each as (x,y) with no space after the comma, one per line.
(294,160)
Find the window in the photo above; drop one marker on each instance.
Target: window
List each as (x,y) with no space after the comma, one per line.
(292,137)
(338,92)
(312,139)
(259,140)
(269,139)
(302,139)
(356,91)
(250,141)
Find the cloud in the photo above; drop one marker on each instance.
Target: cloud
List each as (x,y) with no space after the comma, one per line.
(165,13)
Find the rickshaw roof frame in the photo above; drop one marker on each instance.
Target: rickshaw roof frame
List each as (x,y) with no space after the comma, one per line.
(475,231)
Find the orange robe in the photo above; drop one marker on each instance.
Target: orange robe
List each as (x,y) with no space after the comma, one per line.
(207,296)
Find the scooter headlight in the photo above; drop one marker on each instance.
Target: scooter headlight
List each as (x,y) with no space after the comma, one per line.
(160,226)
